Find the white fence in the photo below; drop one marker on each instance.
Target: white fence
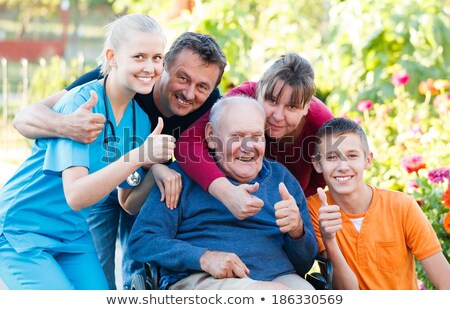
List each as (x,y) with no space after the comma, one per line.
(15,86)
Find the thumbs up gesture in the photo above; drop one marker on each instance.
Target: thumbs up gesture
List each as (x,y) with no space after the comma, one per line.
(329,217)
(85,126)
(287,214)
(157,148)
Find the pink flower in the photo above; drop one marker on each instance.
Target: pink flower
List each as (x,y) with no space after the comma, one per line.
(416,129)
(412,184)
(442,103)
(358,120)
(439,175)
(399,78)
(364,105)
(421,285)
(413,163)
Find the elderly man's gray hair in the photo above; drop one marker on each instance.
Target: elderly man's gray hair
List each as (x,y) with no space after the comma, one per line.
(218,108)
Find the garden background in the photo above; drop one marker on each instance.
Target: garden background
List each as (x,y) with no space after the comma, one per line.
(384,63)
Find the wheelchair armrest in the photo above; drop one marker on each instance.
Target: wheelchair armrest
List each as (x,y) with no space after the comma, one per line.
(152,275)
(322,280)
(149,281)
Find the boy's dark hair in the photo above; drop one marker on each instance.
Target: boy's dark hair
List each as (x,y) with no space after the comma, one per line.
(294,71)
(340,126)
(202,44)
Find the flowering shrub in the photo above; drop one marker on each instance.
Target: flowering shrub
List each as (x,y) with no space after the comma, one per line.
(411,144)
(433,195)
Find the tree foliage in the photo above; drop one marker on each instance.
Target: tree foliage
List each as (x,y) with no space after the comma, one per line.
(29,9)
(364,38)
(251,33)
(350,43)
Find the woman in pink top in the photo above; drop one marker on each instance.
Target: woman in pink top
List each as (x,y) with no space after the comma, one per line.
(293,116)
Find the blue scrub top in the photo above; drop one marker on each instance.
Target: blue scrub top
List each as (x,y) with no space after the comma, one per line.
(34,213)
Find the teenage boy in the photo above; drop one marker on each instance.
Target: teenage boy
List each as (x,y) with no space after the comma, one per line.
(370,235)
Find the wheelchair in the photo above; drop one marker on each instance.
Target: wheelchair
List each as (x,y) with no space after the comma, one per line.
(320,276)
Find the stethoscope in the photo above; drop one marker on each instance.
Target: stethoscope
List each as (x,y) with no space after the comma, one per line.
(133,179)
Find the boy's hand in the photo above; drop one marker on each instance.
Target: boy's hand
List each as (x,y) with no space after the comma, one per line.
(288,215)
(329,217)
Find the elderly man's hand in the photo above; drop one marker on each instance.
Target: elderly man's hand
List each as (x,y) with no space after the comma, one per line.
(287,214)
(223,265)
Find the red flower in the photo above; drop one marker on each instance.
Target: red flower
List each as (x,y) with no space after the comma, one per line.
(446,198)
(413,163)
(446,222)
(364,105)
(399,78)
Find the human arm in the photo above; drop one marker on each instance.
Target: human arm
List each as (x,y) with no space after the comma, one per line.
(132,199)
(329,223)
(193,157)
(38,120)
(168,182)
(422,241)
(437,269)
(82,189)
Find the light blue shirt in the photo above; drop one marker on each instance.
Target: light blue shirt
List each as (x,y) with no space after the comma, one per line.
(34,213)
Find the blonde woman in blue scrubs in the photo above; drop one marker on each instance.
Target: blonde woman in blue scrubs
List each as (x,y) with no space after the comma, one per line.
(44,238)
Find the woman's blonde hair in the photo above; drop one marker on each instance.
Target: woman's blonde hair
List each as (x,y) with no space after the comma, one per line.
(118,32)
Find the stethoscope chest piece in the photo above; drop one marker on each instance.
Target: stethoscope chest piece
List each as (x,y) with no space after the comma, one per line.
(134,179)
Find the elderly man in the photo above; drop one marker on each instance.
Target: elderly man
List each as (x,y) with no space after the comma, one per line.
(193,67)
(201,245)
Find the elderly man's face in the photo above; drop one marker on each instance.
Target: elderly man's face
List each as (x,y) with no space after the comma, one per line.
(239,142)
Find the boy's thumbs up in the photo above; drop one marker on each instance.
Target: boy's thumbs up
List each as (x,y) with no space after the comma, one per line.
(322,196)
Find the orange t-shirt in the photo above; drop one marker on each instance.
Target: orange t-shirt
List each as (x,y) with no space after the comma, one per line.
(382,253)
